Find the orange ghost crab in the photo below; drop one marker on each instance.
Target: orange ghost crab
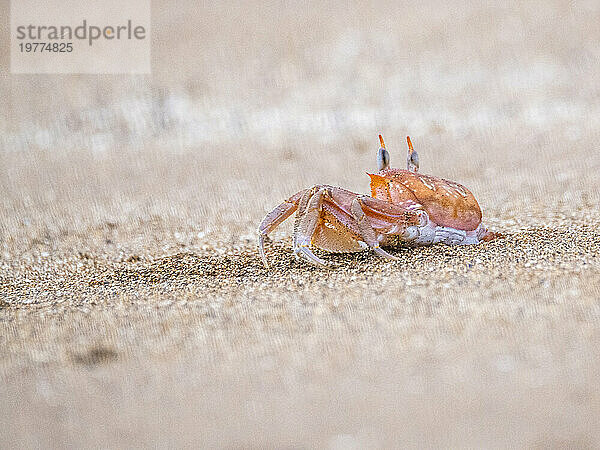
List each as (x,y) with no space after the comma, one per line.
(406,208)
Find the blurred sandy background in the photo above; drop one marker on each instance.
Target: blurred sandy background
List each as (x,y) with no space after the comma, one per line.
(134,311)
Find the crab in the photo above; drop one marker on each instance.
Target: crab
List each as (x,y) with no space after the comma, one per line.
(406,208)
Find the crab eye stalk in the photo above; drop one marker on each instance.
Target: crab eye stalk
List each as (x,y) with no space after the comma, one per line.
(412,159)
(383,157)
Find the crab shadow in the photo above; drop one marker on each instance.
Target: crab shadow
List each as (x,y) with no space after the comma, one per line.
(184,266)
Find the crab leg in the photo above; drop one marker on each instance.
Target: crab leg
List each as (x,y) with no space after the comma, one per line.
(407,211)
(302,207)
(365,212)
(366,230)
(358,218)
(307,220)
(372,218)
(274,218)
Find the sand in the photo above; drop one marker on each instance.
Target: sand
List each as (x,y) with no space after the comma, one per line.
(135,311)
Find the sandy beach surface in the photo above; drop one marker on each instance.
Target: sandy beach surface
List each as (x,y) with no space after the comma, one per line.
(135,311)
